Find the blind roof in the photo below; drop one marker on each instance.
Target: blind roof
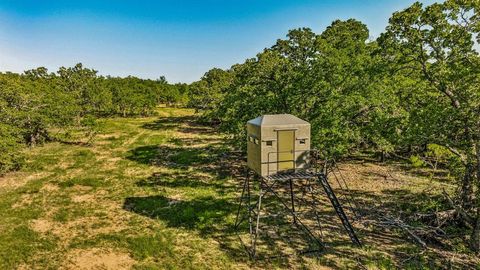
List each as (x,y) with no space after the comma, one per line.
(277,120)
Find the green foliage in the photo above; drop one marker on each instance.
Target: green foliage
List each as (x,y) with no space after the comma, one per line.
(91,126)
(435,48)
(328,79)
(10,147)
(416,161)
(38,106)
(207,94)
(131,96)
(438,152)
(414,91)
(413,87)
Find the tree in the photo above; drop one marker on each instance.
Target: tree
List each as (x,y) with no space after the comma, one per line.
(328,79)
(257,88)
(435,47)
(82,84)
(352,105)
(207,93)
(10,147)
(10,137)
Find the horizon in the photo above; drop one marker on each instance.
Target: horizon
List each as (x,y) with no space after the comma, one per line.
(178,41)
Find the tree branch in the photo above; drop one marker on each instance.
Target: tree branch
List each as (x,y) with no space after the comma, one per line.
(465,216)
(462,157)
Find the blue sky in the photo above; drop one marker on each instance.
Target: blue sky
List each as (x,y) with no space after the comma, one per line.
(178,39)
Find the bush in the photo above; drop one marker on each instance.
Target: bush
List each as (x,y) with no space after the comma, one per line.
(416,161)
(11,157)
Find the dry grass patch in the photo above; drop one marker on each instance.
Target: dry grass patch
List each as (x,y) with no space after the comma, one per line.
(19,179)
(25,200)
(42,225)
(84,198)
(85,227)
(96,258)
(49,188)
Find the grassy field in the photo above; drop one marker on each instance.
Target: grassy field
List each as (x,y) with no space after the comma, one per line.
(161,193)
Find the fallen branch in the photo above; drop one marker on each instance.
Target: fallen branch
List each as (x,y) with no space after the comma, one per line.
(469,221)
(416,238)
(397,222)
(437,219)
(419,235)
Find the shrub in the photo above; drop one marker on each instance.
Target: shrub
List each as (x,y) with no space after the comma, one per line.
(416,161)
(11,157)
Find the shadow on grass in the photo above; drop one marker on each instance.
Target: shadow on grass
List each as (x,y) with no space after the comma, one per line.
(204,164)
(175,155)
(204,214)
(208,216)
(184,124)
(185,178)
(213,217)
(198,162)
(165,123)
(440,174)
(143,154)
(212,158)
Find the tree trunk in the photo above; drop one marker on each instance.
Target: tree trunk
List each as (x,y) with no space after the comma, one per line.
(466,189)
(32,140)
(477,169)
(475,237)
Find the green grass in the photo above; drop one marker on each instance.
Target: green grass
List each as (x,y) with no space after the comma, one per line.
(87,182)
(97,197)
(156,189)
(151,246)
(20,243)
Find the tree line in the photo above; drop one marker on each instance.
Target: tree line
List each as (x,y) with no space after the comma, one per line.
(38,105)
(414,92)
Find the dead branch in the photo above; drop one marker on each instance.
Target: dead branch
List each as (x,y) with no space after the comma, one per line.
(465,216)
(416,238)
(437,219)
(398,223)
(419,234)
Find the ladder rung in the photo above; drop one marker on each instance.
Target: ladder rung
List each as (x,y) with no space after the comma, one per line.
(338,208)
